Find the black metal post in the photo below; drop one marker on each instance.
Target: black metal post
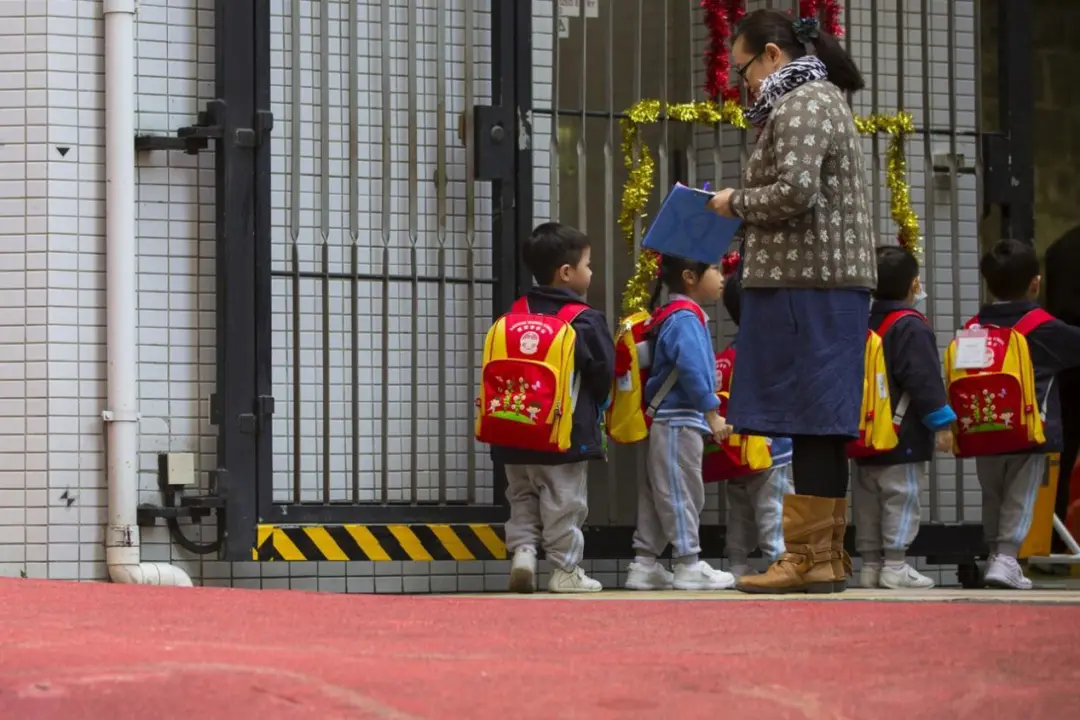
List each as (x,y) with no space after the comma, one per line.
(511,91)
(242,35)
(1016,63)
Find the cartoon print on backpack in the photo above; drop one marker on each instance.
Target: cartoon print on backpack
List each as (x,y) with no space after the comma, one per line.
(513,401)
(981,412)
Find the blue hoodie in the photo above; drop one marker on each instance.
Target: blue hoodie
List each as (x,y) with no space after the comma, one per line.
(683,343)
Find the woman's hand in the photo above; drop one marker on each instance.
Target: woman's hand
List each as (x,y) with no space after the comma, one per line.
(721,203)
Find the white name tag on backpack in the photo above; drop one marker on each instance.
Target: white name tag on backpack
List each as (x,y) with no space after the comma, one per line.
(972,350)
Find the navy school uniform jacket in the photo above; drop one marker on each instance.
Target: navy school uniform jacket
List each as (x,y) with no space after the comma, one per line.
(914,367)
(1054,347)
(594,362)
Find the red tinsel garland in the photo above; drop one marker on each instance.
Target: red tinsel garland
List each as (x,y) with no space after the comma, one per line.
(720,18)
(829,11)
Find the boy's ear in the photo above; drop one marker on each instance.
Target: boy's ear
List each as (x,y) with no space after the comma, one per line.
(1035,286)
(563,273)
(688,277)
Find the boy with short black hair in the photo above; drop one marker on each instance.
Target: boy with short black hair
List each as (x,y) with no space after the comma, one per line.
(885,490)
(547,491)
(1010,482)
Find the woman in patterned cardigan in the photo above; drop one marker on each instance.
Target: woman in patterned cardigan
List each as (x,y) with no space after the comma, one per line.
(808,266)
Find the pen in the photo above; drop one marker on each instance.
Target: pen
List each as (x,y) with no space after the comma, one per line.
(706,188)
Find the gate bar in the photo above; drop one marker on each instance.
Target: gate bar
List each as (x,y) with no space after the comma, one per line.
(1016,91)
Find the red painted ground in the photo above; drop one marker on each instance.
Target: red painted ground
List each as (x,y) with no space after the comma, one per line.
(98,651)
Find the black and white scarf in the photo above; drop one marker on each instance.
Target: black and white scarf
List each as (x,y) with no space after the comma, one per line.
(797,72)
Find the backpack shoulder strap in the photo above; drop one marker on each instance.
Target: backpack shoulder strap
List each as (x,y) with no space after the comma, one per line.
(569,312)
(521,305)
(673,307)
(973,321)
(895,317)
(1033,320)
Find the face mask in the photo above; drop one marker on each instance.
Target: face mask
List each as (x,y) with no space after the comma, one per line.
(920,298)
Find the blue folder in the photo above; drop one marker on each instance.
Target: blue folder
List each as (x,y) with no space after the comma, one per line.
(686,228)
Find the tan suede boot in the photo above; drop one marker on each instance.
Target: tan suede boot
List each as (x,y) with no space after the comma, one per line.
(807,565)
(841,564)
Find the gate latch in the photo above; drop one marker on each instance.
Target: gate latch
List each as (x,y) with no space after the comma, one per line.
(494,142)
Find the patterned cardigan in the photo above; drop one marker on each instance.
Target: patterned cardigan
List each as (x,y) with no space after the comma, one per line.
(804,206)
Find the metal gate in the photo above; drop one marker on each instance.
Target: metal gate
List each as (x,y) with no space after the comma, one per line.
(367,187)
(377,162)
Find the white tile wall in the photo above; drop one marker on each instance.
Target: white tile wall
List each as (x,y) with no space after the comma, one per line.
(52,495)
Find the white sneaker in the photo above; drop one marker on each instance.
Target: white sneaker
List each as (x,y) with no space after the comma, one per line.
(648,577)
(523,571)
(870,575)
(742,570)
(574,581)
(701,576)
(1005,572)
(904,577)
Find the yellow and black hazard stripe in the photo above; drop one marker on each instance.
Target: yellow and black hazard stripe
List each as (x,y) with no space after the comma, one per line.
(379,543)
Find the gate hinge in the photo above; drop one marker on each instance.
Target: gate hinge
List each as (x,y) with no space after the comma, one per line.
(219,482)
(263,408)
(265,405)
(215,410)
(210,125)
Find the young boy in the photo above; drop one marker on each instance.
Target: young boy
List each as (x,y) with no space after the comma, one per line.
(547,491)
(755,502)
(885,491)
(1010,482)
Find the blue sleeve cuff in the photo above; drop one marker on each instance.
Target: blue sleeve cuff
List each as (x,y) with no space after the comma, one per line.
(940,419)
(711,403)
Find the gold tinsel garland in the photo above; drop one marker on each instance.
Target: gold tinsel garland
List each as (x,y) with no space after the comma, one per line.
(639,185)
(641,168)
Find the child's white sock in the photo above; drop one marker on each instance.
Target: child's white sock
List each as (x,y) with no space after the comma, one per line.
(645,560)
(895,559)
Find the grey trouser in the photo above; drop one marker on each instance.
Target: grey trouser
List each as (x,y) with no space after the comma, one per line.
(1010,484)
(756,514)
(671,493)
(886,510)
(548,506)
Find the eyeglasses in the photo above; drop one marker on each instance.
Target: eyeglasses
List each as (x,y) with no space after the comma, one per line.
(741,70)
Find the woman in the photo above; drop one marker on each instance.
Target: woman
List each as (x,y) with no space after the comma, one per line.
(808,268)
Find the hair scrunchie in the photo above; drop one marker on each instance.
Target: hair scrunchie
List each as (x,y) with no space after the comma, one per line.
(806,30)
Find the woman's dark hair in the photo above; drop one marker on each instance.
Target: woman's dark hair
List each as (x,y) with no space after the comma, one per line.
(671,271)
(762,27)
(733,295)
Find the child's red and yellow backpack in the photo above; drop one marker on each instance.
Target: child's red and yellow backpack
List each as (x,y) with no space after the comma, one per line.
(879,423)
(738,455)
(991,388)
(528,388)
(629,416)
